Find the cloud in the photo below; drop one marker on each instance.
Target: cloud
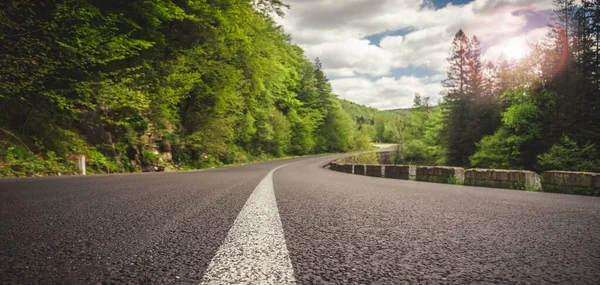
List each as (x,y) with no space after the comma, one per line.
(335,32)
(387,92)
(352,56)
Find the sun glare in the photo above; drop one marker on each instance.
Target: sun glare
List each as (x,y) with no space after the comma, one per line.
(515,49)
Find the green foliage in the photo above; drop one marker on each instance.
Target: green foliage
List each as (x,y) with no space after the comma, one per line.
(97,162)
(362,115)
(568,155)
(362,158)
(418,135)
(500,151)
(512,145)
(432,137)
(336,133)
(16,161)
(519,185)
(454,180)
(361,140)
(149,157)
(222,83)
(219,80)
(302,141)
(551,100)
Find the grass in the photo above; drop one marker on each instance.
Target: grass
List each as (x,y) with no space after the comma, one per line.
(455,181)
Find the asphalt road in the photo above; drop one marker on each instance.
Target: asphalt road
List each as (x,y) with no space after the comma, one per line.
(298,224)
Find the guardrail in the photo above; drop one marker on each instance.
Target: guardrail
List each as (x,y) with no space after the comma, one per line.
(583,183)
(502,178)
(569,182)
(440,174)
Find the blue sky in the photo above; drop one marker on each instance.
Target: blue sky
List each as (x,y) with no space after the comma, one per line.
(381,52)
(441,3)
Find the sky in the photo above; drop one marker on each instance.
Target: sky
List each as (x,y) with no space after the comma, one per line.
(381,52)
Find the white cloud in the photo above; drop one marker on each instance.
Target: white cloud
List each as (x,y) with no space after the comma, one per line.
(334,31)
(387,92)
(356,55)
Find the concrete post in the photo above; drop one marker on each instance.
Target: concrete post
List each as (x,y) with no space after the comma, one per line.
(81,164)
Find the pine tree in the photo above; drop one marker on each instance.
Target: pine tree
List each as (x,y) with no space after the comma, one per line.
(587,60)
(563,83)
(471,112)
(322,83)
(456,76)
(475,69)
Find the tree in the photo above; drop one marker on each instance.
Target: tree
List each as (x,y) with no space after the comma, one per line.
(209,81)
(427,102)
(417,101)
(471,111)
(475,80)
(456,77)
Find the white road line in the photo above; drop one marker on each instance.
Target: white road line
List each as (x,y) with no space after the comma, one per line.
(254,251)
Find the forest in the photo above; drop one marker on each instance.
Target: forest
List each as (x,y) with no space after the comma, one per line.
(541,112)
(175,85)
(146,85)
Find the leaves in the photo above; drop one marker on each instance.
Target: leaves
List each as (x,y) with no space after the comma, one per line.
(219,79)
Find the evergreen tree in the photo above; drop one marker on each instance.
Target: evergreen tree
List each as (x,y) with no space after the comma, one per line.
(470,113)
(456,77)
(417,102)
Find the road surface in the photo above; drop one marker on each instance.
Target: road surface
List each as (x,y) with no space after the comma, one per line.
(290,222)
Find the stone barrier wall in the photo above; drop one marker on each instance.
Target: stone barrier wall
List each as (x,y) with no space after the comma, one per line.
(583,183)
(359,169)
(439,174)
(500,178)
(347,168)
(396,171)
(374,170)
(569,182)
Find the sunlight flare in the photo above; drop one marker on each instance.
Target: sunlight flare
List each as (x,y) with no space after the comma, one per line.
(515,49)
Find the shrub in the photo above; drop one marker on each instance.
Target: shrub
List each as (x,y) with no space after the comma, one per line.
(568,155)
(454,180)
(363,158)
(149,157)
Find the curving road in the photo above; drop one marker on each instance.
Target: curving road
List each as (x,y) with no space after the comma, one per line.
(299,224)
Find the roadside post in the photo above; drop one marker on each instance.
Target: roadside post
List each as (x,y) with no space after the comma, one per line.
(81,164)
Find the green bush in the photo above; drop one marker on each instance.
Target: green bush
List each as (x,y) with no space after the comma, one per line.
(568,155)
(363,158)
(98,162)
(149,157)
(454,180)
(17,161)
(500,151)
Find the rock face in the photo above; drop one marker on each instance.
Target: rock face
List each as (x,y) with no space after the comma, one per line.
(439,174)
(500,178)
(572,182)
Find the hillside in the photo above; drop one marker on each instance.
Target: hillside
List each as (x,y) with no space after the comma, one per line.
(141,86)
